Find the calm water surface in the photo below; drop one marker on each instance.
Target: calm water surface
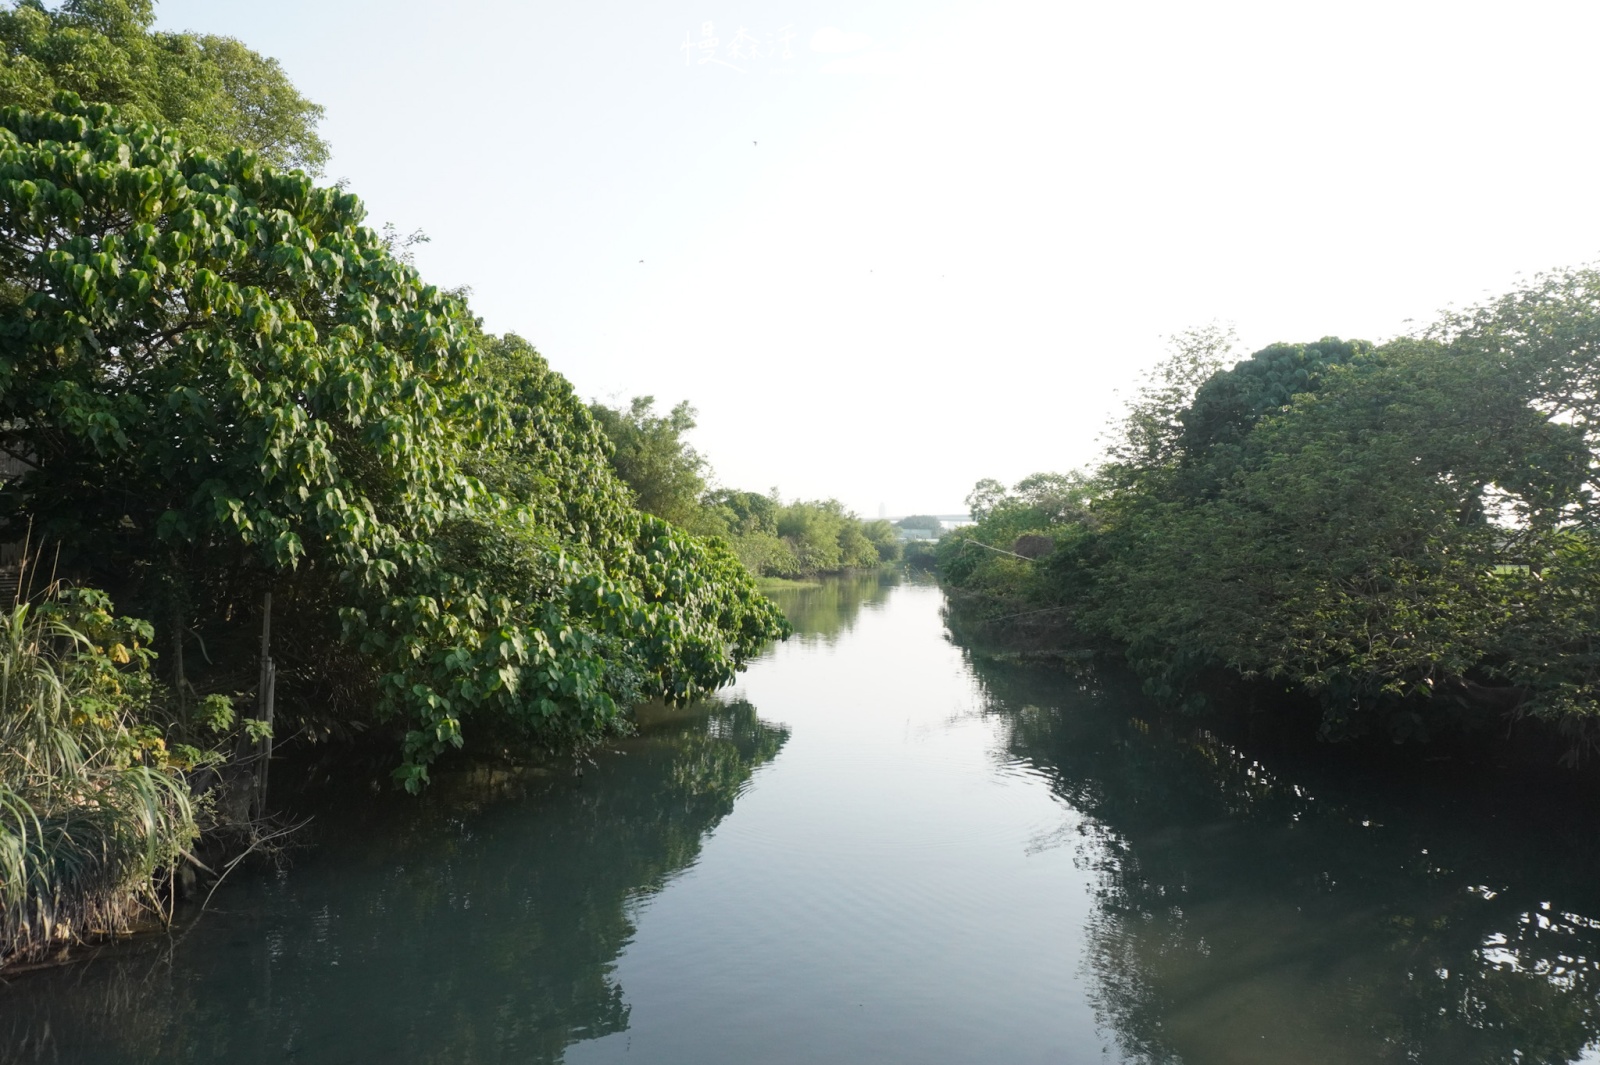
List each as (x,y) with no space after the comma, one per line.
(877,850)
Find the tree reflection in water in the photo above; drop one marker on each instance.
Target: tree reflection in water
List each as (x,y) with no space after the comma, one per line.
(1312,911)
(826,609)
(479,924)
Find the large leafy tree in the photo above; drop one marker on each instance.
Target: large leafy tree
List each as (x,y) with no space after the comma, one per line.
(1229,404)
(213,91)
(1543,338)
(652,455)
(1145,442)
(825,537)
(1038,507)
(1348,548)
(223,382)
(1407,531)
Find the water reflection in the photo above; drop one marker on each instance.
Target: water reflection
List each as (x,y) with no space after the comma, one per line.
(825,610)
(1308,912)
(460,929)
(955,862)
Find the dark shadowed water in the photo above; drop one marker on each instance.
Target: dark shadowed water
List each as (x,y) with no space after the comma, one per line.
(876,850)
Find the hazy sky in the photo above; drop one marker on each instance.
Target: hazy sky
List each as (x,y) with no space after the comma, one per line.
(890,248)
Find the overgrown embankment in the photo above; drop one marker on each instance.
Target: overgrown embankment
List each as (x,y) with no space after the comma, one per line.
(224,398)
(94,801)
(221,390)
(1404,533)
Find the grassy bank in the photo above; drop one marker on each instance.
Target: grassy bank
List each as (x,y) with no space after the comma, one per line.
(95,809)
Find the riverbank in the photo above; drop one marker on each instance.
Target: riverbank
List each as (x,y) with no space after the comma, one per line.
(1259,710)
(95,809)
(880,845)
(777,584)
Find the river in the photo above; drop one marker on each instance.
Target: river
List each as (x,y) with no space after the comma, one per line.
(876,848)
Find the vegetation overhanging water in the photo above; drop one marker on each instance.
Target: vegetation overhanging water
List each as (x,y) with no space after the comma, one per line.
(223,391)
(879,847)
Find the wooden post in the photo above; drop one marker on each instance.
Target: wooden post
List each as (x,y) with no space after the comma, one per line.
(180,679)
(264,698)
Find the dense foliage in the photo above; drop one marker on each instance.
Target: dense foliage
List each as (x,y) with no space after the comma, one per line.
(652,456)
(93,801)
(1405,532)
(223,384)
(921,524)
(212,91)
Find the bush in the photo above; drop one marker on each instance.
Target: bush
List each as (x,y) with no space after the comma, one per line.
(93,804)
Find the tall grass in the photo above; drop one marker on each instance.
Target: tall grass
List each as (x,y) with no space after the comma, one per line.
(91,807)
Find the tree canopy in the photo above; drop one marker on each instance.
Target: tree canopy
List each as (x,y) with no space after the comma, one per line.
(222,382)
(1406,531)
(212,91)
(652,456)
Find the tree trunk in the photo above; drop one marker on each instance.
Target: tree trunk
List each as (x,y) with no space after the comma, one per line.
(264,713)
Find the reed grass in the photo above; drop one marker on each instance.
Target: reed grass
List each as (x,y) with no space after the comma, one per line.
(91,809)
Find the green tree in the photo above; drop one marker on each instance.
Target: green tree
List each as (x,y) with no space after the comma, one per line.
(993,561)
(1543,342)
(652,456)
(1054,498)
(881,535)
(925,523)
(1406,532)
(984,497)
(749,521)
(741,513)
(812,530)
(1230,402)
(827,538)
(213,91)
(1146,439)
(1349,542)
(223,382)
(1344,548)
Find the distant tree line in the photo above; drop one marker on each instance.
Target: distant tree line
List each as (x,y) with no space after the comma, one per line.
(920,523)
(668,478)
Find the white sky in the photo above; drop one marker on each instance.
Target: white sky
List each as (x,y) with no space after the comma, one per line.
(965,224)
